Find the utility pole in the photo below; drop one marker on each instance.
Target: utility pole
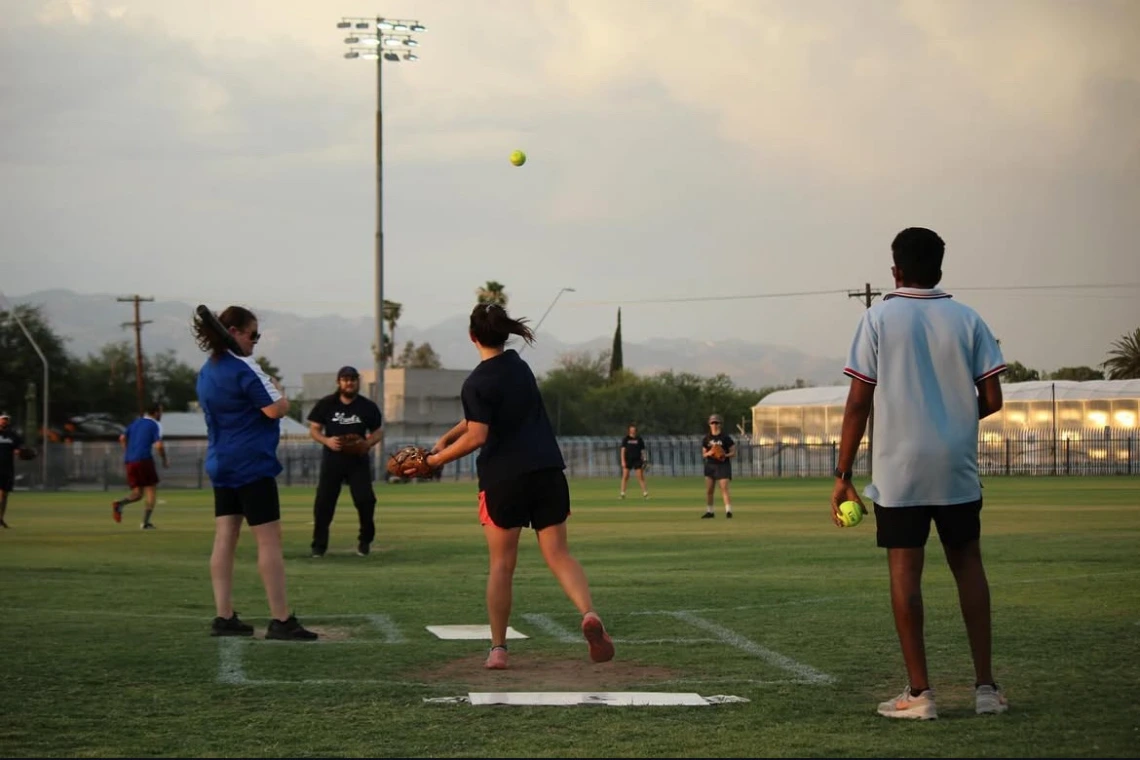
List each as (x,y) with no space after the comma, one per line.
(140,386)
(867,295)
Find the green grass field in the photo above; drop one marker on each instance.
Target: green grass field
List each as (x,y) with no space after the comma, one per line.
(105,648)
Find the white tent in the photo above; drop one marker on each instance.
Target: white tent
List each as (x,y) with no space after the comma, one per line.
(193,425)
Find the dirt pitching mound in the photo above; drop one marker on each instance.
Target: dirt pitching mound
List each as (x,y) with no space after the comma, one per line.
(536,672)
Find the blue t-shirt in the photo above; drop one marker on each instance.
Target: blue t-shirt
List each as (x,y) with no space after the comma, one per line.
(141,436)
(241,442)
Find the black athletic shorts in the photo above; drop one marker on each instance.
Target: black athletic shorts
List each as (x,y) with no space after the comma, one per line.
(7,479)
(718,470)
(257,501)
(636,464)
(536,499)
(909,527)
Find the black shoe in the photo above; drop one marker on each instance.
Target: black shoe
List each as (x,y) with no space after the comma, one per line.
(708,515)
(728,515)
(230,626)
(289,630)
(317,554)
(362,550)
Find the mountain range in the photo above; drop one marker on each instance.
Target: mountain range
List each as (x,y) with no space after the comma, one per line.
(298,344)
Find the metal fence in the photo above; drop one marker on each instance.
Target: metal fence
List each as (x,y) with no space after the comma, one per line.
(1095,452)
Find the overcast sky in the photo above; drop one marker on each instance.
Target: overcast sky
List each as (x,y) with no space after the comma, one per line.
(222,150)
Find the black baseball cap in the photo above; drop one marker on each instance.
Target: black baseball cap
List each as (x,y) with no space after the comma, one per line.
(347,371)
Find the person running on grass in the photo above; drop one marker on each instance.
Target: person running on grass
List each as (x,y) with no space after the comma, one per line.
(930,366)
(141,438)
(521,478)
(243,408)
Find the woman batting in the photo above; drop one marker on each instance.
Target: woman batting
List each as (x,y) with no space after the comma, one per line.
(243,407)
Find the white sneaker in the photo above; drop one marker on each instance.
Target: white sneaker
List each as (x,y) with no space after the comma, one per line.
(906,706)
(989,700)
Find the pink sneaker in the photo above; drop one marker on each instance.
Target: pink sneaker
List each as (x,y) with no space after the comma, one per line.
(497,659)
(601,645)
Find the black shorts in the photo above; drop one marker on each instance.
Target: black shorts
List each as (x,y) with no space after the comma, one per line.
(7,480)
(257,501)
(536,499)
(636,464)
(718,470)
(909,527)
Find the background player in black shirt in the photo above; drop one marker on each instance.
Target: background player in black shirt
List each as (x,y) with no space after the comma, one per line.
(717,470)
(343,413)
(633,458)
(521,479)
(11,444)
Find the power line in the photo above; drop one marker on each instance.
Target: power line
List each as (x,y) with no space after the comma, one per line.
(794,294)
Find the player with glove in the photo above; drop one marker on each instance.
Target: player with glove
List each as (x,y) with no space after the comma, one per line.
(521,478)
(718,449)
(348,426)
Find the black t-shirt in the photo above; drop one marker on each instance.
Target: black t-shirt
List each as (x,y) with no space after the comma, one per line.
(360,416)
(10,440)
(724,439)
(634,449)
(502,393)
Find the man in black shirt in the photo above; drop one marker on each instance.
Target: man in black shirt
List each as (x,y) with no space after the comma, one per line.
(717,449)
(633,458)
(10,445)
(339,414)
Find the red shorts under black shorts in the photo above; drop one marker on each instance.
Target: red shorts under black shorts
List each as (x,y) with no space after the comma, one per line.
(141,474)
(536,499)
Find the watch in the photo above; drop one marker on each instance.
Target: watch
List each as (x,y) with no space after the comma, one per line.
(843,474)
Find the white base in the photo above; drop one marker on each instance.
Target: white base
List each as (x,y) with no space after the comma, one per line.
(607,698)
(470,632)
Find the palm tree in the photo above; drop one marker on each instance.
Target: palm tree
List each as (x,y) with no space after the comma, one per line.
(492,292)
(392,312)
(1123,361)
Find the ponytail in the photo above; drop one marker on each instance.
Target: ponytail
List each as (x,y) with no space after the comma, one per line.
(492,327)
(208,338)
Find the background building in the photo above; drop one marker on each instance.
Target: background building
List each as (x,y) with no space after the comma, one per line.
(418,403)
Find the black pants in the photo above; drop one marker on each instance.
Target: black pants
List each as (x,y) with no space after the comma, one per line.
(336,470)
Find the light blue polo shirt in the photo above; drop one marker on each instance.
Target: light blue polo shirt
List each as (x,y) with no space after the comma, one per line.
(925,354)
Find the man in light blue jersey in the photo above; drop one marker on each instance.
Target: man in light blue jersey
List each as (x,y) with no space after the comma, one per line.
(139,441)
(930,367)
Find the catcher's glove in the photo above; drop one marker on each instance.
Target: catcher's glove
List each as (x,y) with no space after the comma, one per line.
(410,461)
(353,445)
(26,454)
(716,451)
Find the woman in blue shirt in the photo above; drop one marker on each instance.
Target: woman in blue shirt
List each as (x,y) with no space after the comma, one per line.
(243,407)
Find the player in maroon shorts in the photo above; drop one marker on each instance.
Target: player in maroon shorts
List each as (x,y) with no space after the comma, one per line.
(138,440)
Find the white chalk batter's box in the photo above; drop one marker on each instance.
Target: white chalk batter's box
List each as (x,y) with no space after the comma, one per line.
(653,628)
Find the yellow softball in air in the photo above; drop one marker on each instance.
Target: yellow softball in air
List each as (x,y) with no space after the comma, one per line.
(518,158)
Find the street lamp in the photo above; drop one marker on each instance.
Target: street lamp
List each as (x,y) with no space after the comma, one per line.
(548,308)
(380,39)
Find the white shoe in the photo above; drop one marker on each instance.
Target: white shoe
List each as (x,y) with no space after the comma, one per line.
(621,495)
(989,700)
(906,706)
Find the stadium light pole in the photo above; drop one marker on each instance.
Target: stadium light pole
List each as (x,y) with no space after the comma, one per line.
(43,359)
(377,39)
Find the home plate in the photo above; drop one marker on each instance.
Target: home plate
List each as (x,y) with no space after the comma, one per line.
(606,698)
(468,632)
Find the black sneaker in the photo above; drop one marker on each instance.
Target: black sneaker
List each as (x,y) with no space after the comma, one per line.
(708,515)
(289,630)
(362,550)
(728,515)
(230,626)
